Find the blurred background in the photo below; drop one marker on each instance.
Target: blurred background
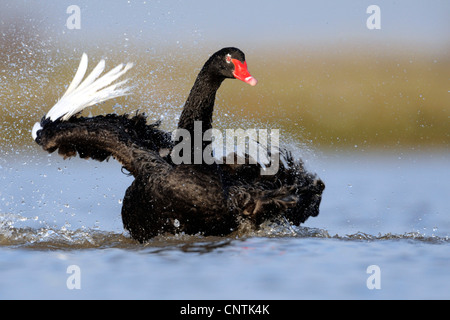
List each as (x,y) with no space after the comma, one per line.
(325,79)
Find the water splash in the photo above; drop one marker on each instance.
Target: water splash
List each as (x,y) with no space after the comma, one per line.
(61,239)
(49,238)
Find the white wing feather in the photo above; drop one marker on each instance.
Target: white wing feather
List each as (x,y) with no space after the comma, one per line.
(92,90)
(81,71)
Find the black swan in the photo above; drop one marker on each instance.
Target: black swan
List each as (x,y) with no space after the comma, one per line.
(165,197)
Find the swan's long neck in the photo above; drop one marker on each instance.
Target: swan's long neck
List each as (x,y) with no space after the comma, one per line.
(199,105)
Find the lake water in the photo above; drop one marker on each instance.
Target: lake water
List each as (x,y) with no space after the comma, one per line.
(389,210)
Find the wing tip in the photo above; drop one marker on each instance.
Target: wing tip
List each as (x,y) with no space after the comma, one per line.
(81,94)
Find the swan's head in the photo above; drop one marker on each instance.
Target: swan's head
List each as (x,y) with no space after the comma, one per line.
(230,63)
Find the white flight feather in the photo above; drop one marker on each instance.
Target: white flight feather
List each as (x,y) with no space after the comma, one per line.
(82,94)
(92,90)
(79,75)
(92,76)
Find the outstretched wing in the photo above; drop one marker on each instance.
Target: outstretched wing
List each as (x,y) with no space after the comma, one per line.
(100,137)
(122,137)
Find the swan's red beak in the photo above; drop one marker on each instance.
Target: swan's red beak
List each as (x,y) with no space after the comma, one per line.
(241,72)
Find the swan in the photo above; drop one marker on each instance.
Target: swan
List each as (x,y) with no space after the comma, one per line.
(165,196)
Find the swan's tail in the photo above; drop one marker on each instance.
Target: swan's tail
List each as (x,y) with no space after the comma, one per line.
(80,95)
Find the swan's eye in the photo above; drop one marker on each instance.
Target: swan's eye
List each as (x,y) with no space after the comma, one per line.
(228,58)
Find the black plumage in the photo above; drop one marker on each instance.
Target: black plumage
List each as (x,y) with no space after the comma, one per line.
(191,198)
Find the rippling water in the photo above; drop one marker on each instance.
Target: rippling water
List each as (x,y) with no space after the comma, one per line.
(388,210)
